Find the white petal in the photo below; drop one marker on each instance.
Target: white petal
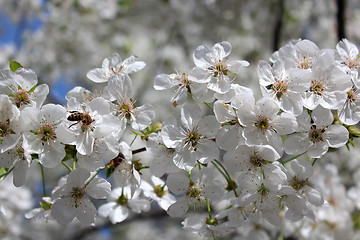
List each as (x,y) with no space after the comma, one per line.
(85,212)
(177,183)
(19,175)
(62,211)
(337,135)
(179,208)
(162,82)
(118,214)
(97,75)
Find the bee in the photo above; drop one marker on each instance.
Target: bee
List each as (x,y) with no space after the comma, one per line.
(77,116)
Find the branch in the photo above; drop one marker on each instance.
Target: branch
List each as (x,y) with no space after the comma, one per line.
(278,25)
(340,16)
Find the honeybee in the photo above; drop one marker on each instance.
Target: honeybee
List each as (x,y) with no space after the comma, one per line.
(77,116)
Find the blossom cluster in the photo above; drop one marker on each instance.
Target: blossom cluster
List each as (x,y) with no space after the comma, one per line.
(240,158)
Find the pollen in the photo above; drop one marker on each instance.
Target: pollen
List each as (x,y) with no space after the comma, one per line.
(316,135)
(263,123)
(4,130)
(22,98)
(279,89)
(46,132)
(317,87)
(256,160)
(193,137)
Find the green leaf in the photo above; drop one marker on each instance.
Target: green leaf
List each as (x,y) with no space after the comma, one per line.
(14,65)
(70,151)
(32,89)
(3,171)
(109,171)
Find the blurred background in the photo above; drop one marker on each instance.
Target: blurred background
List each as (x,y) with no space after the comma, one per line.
(63,39)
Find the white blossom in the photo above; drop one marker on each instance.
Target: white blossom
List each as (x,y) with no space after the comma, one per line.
(119,202)
(317,134)
(214,62)
(9,124)
(113,66)
(192,140)
(40,128)
(22,89)
(72,199)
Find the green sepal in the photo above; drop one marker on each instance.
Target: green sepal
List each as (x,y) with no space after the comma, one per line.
(14,65)
(3,172)
(32,89)
(153,128)
(109,171)
(45,205)
(34,156)
(356,219)
(70,151)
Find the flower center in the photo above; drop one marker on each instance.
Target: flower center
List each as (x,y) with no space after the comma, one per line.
(317,87)
(17,153)
(305,62)
(298,184)
(126,109)
(315,135)
(117,70)
(5,130)
(184,80)
(22,98)
(279,88)
(263,191)
(256,161)
(262,124)
(352,63)
(193,137)
(351,96)
(220,68)
(194,192)
(77,194)
(46,132)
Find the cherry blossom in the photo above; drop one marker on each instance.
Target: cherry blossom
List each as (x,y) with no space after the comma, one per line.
(214,62)
(192,140)
(72,199)
(119,202)
(113,66)
(317,134)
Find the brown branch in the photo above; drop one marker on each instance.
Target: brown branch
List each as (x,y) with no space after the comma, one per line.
(139,150)
(340,16)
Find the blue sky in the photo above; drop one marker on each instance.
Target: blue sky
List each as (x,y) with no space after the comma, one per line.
(11,32)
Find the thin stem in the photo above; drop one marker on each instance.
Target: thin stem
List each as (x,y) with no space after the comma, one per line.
(226,176)
(67,166)
(208,208)
(222,173)
(93,177)
(74,164)
(207,104)
(42,178)
(223,168)
(133,140)
(313,163)
(289,160)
